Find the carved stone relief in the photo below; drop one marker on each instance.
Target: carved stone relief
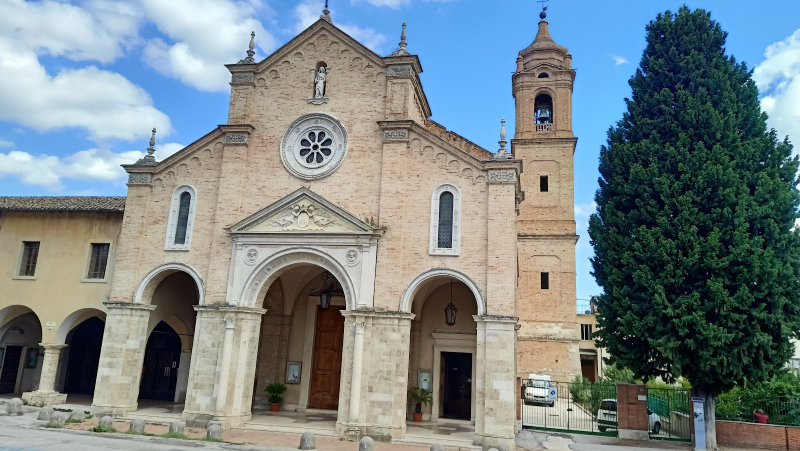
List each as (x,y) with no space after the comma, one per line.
(352,257)
(304,217)
(399,70)
(242,78)
(251,256)
(502,175)
(139,177)
(314,146)
(395,135)
(236,138)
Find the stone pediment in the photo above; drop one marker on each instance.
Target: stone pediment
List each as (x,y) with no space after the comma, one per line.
(302,211)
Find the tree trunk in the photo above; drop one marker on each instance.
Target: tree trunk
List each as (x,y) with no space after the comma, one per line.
(710,418)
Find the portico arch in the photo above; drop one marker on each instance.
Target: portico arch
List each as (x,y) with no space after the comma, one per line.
(413,288)
(144,292)
(257,284)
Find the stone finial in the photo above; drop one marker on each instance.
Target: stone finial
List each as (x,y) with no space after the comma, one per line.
(14,406)
(326,15)
(366,444)
(308,441)
(149,159)
(402,50)
(137,426)
(177,427)
(250,51)
(502,153)
(45,413)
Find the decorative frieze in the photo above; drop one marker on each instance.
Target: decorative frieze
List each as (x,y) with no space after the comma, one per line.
(399,70)
(395,135)
(139,178)
(502,175)
(236,138)
(243,78)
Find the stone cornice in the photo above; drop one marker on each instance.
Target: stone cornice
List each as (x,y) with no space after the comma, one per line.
(544,141)
(128,305)
(227,308)
(530,236)
(531,337)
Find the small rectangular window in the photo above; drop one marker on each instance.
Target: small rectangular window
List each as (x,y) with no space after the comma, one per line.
(30,255)
(543,183)
(98,261)
(545,281)
(586,331)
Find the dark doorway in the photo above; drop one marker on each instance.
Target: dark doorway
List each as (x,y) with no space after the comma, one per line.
(457,388)
(327,367)
(161,358)
(8,378)
(84,357)
(588,369)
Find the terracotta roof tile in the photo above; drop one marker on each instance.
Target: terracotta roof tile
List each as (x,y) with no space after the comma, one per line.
(65,203)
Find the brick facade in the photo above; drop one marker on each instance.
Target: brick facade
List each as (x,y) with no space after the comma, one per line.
(734,434)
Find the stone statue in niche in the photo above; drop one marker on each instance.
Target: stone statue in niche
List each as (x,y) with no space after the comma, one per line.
(320,83)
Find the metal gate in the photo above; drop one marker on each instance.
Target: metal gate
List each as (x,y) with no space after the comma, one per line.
(579,407)
(668,411)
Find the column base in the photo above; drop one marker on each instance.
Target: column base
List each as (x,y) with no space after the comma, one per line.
(631,434)
(113,411)
(44,398)
(353,432)
(489,441)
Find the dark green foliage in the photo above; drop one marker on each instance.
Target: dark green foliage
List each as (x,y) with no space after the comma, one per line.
(100,428)
(420,396)
(778,397)
(693,235)
(275,391)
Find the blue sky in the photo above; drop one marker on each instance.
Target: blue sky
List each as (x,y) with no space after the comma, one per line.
(83,82)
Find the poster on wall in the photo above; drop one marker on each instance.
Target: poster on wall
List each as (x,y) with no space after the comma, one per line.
(293,372)
(33,357)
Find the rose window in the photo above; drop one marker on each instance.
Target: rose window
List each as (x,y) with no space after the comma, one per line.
(316,147)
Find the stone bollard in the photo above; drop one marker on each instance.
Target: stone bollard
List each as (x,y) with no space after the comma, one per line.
(437,447)
(214,431)
(107,422)
(176,427)
(45,413)
(504,447)
(14,406)
(493,449)
(366,444)
(137,426)
(77,415)
(308,441)
(57,420)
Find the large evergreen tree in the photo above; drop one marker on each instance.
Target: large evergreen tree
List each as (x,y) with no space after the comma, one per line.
(694,243)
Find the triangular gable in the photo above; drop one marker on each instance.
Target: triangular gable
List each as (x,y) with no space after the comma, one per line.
(302,211)
(306,34)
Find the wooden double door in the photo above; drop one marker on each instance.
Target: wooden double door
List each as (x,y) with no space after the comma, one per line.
(326,369)
(456,385)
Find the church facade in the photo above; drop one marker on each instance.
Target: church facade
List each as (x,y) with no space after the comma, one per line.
(333,238)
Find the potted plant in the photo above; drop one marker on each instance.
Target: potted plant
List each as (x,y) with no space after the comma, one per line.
(420,396)
(275,391)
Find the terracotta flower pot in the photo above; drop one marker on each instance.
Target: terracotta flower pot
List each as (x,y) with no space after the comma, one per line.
(417,417)
(274,406)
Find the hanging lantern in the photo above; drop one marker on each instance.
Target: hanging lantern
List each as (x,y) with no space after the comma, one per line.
(327,290)
(451,310)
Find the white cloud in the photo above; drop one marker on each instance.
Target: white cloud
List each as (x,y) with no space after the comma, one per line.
(582,213)
(308,12)
(206,34)
(619,60)
(105,103)
(390,3)
(98,32)
(49,171)
(6,143)
(778,79)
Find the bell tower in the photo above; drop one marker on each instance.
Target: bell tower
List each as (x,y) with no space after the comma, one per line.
(548,338)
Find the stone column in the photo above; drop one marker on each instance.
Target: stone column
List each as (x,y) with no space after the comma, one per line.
(121,356)
(46,394)
(355,383)
(222,371)
(495,413)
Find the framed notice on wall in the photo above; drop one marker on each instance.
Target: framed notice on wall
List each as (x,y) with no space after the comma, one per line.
(293,372)
(33,358)
(424,379)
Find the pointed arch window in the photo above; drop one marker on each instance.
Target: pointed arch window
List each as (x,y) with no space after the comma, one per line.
(445,221)
(181,219)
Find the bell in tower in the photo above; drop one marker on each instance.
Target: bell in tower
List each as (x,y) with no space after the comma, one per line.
(543,110)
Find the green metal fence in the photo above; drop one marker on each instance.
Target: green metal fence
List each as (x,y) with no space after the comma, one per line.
(668,413)
(783,411)
(585,408)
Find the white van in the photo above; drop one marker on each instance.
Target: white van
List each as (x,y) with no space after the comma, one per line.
(539,389)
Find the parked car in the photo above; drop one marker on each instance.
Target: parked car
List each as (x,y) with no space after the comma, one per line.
(607,417)
(540,390)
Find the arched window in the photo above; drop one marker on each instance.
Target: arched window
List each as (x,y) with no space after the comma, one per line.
(445,221)
(181,219)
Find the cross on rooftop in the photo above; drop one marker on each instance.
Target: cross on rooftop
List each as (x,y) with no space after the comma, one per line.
(544,8)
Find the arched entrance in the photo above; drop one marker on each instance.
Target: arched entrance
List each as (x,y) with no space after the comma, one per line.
(301,339)
(20,359)
(165,368)
(443,347)
(83,356)
(161,363)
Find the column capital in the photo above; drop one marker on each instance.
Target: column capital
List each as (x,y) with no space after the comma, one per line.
(52,346)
